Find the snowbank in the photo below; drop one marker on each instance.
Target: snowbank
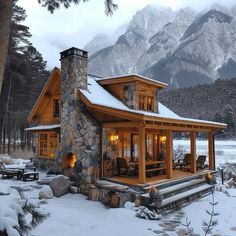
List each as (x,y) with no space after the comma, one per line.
(8,160)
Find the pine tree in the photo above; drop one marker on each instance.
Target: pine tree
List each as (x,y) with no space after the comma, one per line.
(25,76)
(6,9)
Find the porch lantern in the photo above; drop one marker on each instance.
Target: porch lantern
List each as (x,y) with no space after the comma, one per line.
(114,138)
(163,139)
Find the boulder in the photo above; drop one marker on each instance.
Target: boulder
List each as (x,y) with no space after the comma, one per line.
(45,192)
(60,185)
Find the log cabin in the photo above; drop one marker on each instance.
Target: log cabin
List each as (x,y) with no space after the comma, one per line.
(111,128)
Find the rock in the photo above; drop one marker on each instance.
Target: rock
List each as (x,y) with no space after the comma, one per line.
(60,185)
(45,181)
(73,189)
(46,192)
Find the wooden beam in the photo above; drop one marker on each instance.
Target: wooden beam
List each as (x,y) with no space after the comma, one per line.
(121,124)
(177,128)
(211,151)
(169,154)
(142,158)
(193,151)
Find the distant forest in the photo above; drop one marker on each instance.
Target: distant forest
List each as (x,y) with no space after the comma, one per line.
(213,102)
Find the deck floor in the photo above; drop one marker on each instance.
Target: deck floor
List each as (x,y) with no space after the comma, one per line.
(133,180)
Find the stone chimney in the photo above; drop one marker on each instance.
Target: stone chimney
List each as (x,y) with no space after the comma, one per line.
(80,132)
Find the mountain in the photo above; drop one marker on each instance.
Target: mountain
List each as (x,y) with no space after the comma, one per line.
(99,42)
(123,55)
(164,42)
(206,52)
(102,40)
(182,48)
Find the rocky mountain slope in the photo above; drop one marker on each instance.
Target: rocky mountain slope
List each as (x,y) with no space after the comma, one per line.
(180,48)
(130,46)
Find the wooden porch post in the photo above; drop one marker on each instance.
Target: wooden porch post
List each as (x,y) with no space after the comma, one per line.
(142,166)
(169,154)
(210,150)
(193,152)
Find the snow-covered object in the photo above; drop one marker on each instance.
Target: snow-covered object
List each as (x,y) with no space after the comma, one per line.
(129,205)
(145,213)
(230,183)
(222,188)
(73,189)
(60,185)
(46,192)
(6,159)
(229,171)
(9,210)
(43,127)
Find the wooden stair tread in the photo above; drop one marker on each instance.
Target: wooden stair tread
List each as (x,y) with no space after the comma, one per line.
(181,186)
(185,194)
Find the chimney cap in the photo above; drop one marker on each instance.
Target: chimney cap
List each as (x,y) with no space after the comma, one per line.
(74,51)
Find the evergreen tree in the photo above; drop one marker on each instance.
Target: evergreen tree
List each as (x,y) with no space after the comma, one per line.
(6,8)
(25,76)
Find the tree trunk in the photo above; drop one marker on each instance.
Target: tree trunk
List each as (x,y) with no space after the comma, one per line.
(5,20)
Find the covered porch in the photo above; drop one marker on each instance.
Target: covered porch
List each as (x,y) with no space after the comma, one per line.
(146,150)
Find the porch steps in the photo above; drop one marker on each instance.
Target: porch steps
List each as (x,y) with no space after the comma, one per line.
(176,193)
(204,188)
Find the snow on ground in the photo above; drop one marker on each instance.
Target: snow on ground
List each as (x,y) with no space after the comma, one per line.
(74,215)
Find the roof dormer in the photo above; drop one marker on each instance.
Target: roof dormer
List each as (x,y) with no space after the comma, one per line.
(135,91)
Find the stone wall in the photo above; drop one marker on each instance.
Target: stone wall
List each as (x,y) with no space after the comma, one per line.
(130,96)
(80,132)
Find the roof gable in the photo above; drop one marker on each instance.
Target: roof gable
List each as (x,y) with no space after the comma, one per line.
(51,87)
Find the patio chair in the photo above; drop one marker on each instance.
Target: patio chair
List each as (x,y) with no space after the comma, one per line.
(123,167)
(10,173)
(200,163)
(183,163)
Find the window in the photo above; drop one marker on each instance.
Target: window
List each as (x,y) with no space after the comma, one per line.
(56,107)
(145,102)
(135,140)
(141,102)
(43,144)
(126,146)
(150,103)
(149,147)
(48,144)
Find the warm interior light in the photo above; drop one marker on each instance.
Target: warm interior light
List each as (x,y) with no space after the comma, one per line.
(71,161)
(114,137)
(162,139)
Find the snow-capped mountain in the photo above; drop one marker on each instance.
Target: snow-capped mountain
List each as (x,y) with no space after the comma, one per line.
(164,42)
(181,48)
(122,57)
(99,42)
(207,51)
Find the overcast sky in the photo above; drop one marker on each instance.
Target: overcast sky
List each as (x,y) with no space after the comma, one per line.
(75,26)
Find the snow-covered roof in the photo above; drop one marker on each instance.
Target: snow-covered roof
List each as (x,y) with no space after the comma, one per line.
(129,75)
(97,95)
(43,127)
